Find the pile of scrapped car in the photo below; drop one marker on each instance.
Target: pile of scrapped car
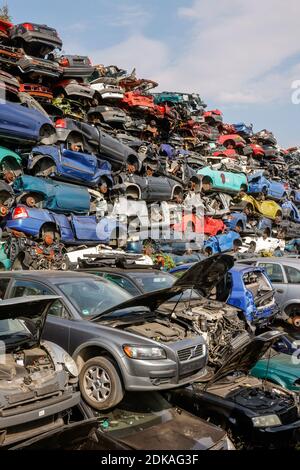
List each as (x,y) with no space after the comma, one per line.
(78,139)
(90,157)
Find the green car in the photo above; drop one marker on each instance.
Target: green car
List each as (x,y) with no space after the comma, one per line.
(282,369)
(10,161)
(224,180)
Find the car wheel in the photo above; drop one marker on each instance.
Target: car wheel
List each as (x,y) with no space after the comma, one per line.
(100,383)
(296,322)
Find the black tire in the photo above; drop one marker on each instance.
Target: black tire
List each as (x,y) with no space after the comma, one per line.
(100,383)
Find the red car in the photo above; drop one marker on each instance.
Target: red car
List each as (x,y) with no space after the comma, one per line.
(206,225)
(233,140)
(4,29)
(134,99)
(39,92)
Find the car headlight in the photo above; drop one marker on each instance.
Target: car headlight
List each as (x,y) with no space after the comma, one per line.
(266,421)
(70,365)
(144,352)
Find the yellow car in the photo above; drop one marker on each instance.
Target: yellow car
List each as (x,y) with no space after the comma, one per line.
(266,208)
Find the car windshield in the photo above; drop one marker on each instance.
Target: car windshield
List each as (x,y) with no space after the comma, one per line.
(93,296)
(150,282)
(136,412)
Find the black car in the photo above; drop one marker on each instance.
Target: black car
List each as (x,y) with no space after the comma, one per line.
(148,188)
(76,66)
(73,89)
(257,413)
(93,139)
(35,39)
(112,116)
(119,342)
(35,67)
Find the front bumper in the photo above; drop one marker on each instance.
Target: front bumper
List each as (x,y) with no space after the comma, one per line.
(39,410)
(78,72)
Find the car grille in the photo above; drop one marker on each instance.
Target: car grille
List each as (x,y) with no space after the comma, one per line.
(191,353)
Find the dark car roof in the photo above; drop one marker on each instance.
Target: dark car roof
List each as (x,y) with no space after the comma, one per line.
(52,276)
(114,270)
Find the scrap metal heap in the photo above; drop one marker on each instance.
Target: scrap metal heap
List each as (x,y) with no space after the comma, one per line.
(78,139)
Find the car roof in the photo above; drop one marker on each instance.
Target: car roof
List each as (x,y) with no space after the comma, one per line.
(114,270)
(275,259)
(52,276)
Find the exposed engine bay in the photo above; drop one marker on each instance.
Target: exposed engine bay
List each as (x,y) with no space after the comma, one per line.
(26,367)
(220,325)
(159,329)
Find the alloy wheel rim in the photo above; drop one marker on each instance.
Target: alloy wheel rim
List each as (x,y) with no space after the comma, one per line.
(97,384)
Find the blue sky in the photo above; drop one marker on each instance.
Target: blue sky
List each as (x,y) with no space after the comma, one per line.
(241,56)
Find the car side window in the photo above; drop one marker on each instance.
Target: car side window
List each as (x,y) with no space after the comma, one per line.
(123,282)
(26,288)
(293,275)
(58,309)
(3,287)
(274,272)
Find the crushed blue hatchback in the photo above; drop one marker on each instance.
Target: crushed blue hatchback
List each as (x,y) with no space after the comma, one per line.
(247,288)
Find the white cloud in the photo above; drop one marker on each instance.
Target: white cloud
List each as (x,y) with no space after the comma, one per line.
(231,51)
(147,55)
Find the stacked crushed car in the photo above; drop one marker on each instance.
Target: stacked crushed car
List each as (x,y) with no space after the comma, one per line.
(77,139)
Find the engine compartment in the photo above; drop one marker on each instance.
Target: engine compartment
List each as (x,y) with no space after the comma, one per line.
(220,325)
(24,366)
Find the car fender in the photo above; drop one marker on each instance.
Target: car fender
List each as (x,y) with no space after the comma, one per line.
(290,302)
(102,343)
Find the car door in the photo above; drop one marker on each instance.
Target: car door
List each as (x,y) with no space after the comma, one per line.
(56,327)
(78,166)
(293,282)
(85,228)
(278,279)
(159,188)
(112,149)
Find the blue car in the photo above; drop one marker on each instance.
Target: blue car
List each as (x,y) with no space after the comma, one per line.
(65,164)
(222,243)
(236,219)
(247,288)
(25,126)
(72,230)
(258,183)
(295,195)
(291,211)
(46,193)
(243,129)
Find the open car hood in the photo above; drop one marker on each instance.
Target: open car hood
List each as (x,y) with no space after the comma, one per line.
(202,276)
(32,310)
(244,358)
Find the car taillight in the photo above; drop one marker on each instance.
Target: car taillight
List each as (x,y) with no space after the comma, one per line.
(64,62)
(61,124)
(28,26)
(20,213)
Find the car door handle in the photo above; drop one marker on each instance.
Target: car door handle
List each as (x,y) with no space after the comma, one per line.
(280,291)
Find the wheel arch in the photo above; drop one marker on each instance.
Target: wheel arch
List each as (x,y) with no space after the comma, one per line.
(92,349)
